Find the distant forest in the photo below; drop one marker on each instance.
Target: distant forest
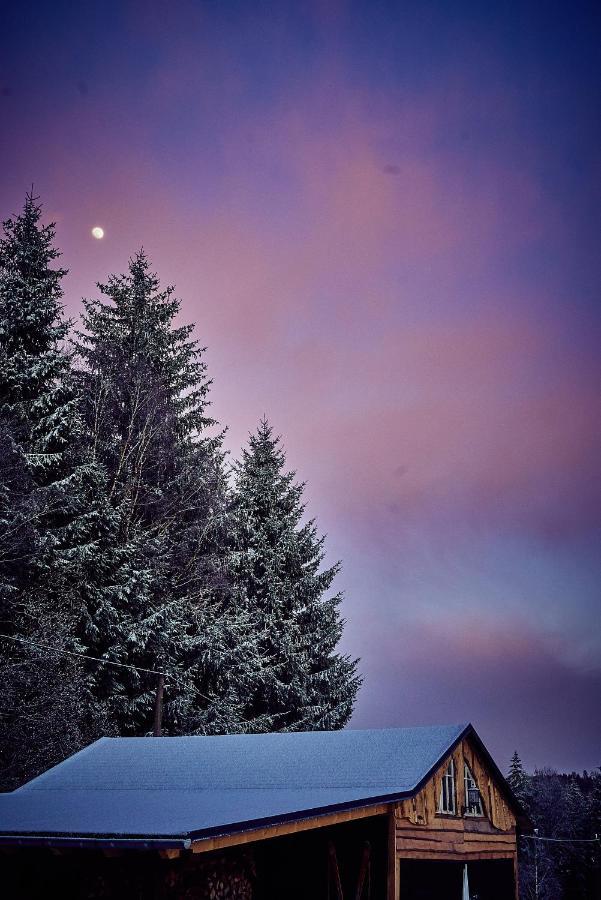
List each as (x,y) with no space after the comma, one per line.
(561,859)
(131,544)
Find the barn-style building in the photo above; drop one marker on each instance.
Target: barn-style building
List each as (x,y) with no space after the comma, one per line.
(402,814)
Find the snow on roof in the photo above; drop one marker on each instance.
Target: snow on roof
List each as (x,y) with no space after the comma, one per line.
(195,786)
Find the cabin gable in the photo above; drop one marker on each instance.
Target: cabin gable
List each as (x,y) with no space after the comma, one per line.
(422,826)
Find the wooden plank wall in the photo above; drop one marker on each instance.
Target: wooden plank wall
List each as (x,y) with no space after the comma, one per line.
(423,833)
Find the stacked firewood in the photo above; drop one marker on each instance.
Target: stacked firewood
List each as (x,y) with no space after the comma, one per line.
(224,878)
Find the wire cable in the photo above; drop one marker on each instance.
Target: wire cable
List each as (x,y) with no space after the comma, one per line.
(536,837)
(106,662)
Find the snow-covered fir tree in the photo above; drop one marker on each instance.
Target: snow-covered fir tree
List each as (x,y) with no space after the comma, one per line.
(304,683)
(595,803)
(517,778)
(19,535)
(145,392)
(42,544)
(35,395)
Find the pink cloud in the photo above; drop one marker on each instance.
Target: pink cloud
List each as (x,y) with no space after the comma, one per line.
(450,671)
(456,407)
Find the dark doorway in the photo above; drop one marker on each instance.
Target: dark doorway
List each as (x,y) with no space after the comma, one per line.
(298,866)
(436,880)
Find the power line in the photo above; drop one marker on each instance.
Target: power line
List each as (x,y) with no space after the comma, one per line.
(106,662)
(535,837)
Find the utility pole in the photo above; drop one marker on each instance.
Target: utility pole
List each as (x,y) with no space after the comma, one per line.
(158,707)
(536,864)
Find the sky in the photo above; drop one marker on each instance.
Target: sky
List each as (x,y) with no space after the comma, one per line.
(383,219)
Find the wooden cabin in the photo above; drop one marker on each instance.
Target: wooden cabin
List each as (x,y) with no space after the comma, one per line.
(396,814)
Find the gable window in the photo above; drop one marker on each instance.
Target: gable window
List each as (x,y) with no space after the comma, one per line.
(447,802)
(473,800)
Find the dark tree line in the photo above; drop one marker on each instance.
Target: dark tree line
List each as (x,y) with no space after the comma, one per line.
(125,535)
(561,859)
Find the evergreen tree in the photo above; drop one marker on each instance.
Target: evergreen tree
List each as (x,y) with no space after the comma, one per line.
(517,779)
(572,856)
(303,683)
(40,498)
(145,393)
(35,399)
(594,802)
(19,537)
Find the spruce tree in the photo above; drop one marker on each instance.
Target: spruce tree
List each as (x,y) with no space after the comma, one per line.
(517,778)
(40,503)
(19,535)
(145,391)
(572,856)
(303,683)
(34,397)
(594,811)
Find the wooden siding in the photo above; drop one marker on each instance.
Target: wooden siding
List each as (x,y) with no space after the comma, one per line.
(424,833)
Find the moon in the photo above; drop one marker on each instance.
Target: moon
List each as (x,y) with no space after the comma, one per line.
(98,232)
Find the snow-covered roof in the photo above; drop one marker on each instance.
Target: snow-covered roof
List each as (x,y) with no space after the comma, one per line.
(193,787)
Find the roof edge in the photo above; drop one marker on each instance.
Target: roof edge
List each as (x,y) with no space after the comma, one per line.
(311,813)
(184,841)
(105,842)
(464,729)
(24,787)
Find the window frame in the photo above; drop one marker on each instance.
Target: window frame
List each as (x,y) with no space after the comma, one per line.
(470,782)
(447,798)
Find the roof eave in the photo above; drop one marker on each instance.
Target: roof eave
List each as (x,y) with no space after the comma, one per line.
(286,818)
(184,842)
(97,842)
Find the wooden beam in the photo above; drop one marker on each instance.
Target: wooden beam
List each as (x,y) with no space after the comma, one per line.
(363,869)
(272,831)
(393,861)
(427,846)
(455,856)
(334,871)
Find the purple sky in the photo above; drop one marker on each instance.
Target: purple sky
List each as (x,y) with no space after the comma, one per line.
(384,220)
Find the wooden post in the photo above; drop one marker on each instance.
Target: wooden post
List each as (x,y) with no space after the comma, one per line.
(158,707)
(393,862)
(363,870)
(334,871)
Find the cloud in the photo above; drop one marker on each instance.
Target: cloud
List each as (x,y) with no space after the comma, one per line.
(449,671)
(482,413)
(390,258)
